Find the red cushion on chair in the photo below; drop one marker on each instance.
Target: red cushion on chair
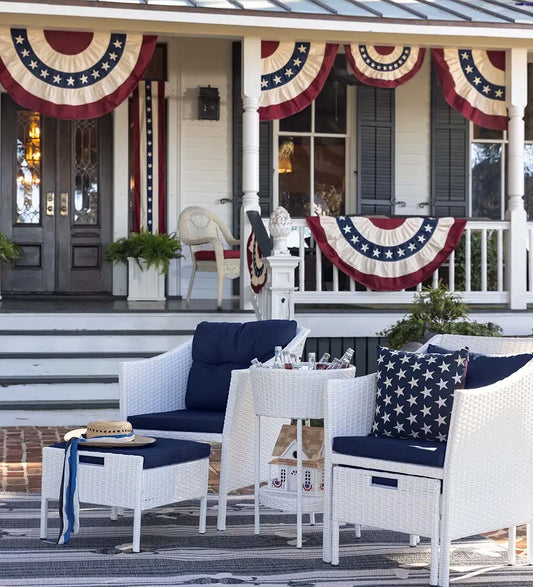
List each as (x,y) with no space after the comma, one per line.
(210,255)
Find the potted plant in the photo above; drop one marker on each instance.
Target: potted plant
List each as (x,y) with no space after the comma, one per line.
(436,310)
(148,257)
(9,250)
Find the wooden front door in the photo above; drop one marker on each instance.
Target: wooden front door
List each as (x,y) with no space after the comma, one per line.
(56,185)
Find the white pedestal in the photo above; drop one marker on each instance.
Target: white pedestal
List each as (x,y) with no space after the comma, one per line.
(145,284)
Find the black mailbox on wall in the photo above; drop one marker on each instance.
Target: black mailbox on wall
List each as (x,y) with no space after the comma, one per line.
(208,104)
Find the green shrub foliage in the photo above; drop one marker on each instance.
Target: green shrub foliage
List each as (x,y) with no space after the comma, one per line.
(156,249)
(436,310)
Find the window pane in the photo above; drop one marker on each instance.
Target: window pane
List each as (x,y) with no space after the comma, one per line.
(294,175)
(28,167)
(330,158)
(486,181)
(85,160)
(330,108)
(528,118)
(528,168)
(487,133)
(299,122)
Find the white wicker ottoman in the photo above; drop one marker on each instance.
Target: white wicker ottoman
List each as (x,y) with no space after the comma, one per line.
(139,478)
(405,504)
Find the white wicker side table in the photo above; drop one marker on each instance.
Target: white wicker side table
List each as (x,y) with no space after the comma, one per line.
(120,478)
(299,395)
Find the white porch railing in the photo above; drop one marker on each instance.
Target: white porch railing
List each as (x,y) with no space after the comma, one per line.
(475,269)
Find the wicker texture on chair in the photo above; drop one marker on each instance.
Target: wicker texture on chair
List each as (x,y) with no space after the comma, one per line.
(205,234)
(487,478)
(159,384)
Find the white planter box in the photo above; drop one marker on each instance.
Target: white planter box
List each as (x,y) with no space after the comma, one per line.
(145,284)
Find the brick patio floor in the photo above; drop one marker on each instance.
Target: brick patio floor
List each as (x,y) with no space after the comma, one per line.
(20,469)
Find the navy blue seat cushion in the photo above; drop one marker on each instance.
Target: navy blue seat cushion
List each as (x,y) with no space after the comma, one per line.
(486,369)
(415,393)
(163,452)
(220,347)
(180,421)
(399,450)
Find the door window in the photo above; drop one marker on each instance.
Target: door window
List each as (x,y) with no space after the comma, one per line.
(28,172)
(85,167)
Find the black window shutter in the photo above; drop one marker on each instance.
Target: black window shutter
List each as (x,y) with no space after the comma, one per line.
(449,156)
(375,137)
(265,149)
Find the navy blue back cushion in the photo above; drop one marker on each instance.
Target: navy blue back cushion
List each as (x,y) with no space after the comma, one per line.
(486,369)
(220,347)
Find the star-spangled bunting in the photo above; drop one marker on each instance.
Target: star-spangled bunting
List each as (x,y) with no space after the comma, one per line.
(384,67)
(292,75)
(386,254)
(72,75)
(414,394)
(473,82)
(256,266)
(148,156)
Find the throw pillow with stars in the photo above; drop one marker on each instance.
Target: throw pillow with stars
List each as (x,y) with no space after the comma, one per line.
(414,395)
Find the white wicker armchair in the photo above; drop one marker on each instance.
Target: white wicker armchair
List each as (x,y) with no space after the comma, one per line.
(159,384)
(487,477)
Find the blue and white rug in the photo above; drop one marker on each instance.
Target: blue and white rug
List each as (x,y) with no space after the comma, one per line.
(173,553)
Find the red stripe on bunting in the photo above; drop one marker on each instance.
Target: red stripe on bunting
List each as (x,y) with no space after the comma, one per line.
(162,160)
(135,159)
(473,83)
(292,76)
(333,242)
(384,67)
(41,74)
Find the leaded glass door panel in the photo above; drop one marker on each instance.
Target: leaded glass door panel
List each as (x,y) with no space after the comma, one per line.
(57,201)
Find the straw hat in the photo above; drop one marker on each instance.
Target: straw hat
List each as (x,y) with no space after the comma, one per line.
(109,434)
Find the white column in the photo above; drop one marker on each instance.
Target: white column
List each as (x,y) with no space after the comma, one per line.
(251,93)
(516,265)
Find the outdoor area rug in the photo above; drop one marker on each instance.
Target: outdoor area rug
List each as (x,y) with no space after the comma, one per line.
(173,553)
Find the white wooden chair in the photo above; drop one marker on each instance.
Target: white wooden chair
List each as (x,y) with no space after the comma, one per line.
(159,385)
(206,234)
(485,483)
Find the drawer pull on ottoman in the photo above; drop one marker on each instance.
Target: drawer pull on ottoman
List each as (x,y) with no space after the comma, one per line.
(385,482)
(87,460)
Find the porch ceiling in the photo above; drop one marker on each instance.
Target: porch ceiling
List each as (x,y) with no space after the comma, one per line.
(426,11)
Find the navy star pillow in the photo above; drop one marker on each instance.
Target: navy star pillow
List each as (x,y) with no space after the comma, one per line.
(415,393)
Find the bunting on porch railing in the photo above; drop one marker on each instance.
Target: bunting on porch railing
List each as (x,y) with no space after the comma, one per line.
(72,75)
(384,67)
(473,82)
(386,254)
(256,266)
(148,156)
(292,75)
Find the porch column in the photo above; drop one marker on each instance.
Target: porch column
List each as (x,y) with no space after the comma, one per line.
(516,265)
(251,93)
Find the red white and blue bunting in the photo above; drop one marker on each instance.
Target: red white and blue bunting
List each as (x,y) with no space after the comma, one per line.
(148,154)
(292,75)
(256,265)
(473,82)
(72,75)
(384,67)
(386,254)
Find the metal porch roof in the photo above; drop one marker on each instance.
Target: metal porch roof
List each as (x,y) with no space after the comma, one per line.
(479,12)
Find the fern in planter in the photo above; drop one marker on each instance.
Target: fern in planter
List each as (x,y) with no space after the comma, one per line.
(436,310)
(155,249)
(9,251)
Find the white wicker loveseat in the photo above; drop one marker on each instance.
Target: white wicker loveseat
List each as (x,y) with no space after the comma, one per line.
(158,388)
(485,482)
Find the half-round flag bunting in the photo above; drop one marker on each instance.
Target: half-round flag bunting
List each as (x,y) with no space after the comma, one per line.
(473,82)
(256,266)
(292,75)
(386,254)
(72,75)
(384,67)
